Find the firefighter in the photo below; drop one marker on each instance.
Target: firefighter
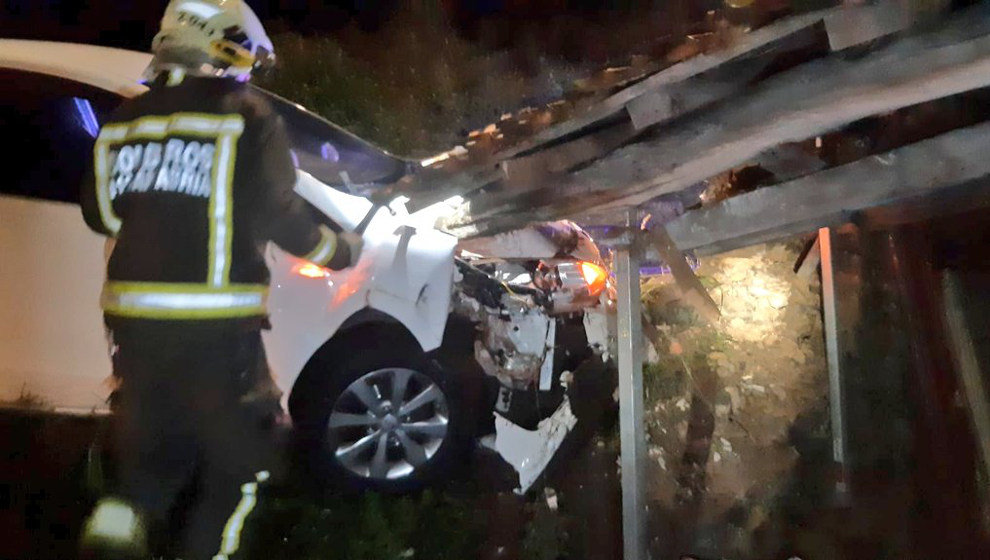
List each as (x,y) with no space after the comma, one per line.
(190,181)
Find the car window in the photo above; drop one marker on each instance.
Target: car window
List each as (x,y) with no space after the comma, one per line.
(49,125)
(333,155)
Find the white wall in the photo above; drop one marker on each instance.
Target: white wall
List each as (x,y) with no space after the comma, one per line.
(52,342)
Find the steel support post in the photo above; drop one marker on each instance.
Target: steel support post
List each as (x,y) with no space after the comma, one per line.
(835,385)
(968,367)
(631,425)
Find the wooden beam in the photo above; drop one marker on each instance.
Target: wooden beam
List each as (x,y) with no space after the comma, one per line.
(677,90)
(808,263)
(758,39)
(861,24)
(688,283)
(831,196)
(808,101)
(563,157)
(649,108)
(530,172)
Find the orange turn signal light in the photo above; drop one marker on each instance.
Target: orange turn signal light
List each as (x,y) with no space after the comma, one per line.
(310,270)
(595,276)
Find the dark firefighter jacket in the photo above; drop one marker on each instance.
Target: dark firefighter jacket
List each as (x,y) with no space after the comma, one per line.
(192,179)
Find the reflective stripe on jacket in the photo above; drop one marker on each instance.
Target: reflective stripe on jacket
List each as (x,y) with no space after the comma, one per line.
(192,179)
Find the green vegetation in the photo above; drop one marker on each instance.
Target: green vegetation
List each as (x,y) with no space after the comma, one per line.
(365,527)
(415,87)
(685,344)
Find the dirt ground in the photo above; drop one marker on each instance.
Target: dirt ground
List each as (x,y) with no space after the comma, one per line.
(723,399)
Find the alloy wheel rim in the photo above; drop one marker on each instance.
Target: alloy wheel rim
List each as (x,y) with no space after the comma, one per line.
(388,423)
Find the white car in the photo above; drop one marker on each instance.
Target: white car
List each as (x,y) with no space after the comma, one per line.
(389,369)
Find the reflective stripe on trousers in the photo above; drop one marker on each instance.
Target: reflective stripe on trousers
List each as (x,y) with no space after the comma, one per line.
(183,301)
(231,539)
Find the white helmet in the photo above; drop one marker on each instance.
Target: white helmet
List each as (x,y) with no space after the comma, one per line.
(211,37)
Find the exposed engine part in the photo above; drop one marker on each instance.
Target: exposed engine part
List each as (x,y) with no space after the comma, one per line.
(571,291)
(515,343)
(516,334)
(599,326)
(517,307)
(546,370)
(487,289)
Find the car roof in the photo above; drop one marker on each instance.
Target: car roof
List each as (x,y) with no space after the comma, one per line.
(114,70)
(119,71)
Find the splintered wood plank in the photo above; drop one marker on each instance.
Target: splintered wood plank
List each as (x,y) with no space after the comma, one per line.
(861,24)
(807,101)
(758,39)
(532,171)
(831,196)
(688,283)
(684,87)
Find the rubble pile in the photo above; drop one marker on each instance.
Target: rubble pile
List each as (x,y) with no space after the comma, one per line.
(760,367)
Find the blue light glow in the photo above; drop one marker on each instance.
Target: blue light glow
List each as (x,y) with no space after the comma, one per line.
(329,152)
(86,116)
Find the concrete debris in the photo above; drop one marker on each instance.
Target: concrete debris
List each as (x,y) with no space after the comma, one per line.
(726,444)
(551,497)
(753,388)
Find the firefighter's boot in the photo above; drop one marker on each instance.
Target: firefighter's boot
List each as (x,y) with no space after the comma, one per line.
(114,531)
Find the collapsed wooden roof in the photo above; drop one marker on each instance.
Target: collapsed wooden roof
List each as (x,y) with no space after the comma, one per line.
(838,110)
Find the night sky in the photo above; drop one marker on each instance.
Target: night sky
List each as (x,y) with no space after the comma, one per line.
(132,23)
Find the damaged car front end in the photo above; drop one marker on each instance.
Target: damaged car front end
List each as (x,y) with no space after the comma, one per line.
(539,298)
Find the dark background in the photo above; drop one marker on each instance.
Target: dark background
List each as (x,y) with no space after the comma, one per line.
(132,23)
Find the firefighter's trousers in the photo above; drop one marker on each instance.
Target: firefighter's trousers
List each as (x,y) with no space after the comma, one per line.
(195,420)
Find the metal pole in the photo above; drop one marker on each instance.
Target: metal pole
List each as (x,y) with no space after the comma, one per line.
(835,392)
(968,367)
(631,425)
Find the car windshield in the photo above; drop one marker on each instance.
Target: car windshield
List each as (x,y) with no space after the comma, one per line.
(54,122)
(333,155)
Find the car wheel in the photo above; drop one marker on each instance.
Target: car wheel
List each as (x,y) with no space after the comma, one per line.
(385,417)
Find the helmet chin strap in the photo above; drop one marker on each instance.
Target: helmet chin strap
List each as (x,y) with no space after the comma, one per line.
(177,72)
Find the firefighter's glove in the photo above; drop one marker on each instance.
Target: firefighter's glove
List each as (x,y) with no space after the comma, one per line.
(349,246)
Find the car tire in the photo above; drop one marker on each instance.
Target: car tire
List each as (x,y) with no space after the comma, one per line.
(352,433)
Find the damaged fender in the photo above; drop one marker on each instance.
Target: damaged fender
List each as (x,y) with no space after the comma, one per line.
(529,452)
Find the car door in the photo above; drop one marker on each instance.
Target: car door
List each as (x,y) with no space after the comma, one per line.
(53,352)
